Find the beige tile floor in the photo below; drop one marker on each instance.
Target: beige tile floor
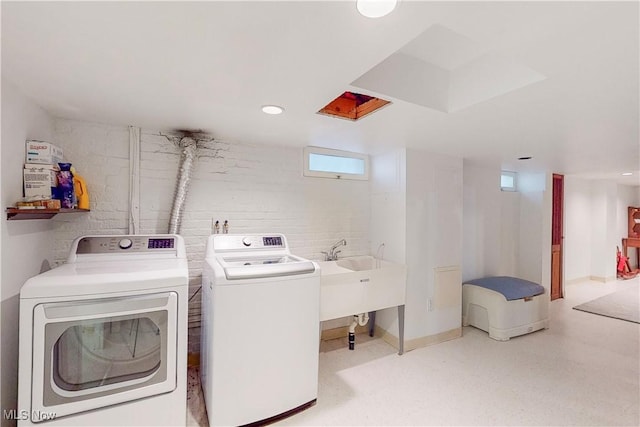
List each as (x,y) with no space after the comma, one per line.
(583,371)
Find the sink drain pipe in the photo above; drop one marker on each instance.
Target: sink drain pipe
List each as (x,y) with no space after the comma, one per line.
(358,319)
(189,147)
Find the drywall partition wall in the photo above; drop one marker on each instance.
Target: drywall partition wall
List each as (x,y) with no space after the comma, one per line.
(578,227)
(257,188)
(434,239)
(535,229)
(26,245)
(482,222)
(509,233)
(604,233)
(388,218)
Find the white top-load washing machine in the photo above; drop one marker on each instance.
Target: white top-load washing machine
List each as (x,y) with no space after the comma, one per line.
(103,338)
(260,329)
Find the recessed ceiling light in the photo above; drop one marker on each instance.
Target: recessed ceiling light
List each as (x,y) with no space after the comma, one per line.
(375,8)
(525,158)
(272,109)
(627,174)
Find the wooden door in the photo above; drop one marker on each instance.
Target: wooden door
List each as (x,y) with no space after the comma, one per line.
(556,236)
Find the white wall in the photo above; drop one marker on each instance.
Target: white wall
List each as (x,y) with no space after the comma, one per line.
(509,233)
(506,233)
(535,229)
(595,223)
(416,200)
(388,218)
(482,223)
(434,238)
(491,225)
(257,188)
(578,225)
(604,230)
(26,245)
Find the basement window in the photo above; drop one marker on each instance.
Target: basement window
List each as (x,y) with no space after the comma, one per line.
(336,164)
(508,181)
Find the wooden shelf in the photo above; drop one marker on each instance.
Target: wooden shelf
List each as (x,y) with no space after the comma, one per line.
(18,214)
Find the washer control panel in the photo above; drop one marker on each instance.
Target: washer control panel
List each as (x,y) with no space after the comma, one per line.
(236,242)
(121,244)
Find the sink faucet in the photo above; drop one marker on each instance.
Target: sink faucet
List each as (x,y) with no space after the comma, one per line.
(332,255)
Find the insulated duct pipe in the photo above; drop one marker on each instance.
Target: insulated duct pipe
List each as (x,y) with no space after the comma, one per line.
(189,148)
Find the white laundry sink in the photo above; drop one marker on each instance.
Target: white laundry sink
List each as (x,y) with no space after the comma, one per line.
(360,263)
(360,284)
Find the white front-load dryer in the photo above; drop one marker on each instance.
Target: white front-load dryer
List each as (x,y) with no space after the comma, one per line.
(103,337)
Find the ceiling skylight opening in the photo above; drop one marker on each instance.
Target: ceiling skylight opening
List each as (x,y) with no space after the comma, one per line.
(375,8)
(353,106)
(272,109)
(627,173)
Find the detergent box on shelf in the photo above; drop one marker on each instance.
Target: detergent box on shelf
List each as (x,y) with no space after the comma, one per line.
(40,181)
(42,152)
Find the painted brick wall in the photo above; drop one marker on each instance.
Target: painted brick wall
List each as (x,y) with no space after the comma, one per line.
(257,188)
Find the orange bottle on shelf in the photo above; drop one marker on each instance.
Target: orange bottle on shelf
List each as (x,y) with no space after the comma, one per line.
(82,194)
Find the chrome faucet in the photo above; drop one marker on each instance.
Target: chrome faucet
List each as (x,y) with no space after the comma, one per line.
(332,255)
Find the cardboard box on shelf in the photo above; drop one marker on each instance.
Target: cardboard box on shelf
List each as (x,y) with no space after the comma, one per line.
(40,181)
(43,204)
(42,152)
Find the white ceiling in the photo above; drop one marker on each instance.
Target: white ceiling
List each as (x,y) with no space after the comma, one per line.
(211,65)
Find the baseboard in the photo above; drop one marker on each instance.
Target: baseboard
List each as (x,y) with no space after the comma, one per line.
(432,339)
(578,280)
(387,337)
(341,332)
(415,343)
(590,278)
(603,279)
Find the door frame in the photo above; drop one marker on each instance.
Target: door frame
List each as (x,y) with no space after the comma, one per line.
(557,237)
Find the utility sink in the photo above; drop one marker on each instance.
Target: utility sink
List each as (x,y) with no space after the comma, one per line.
(360,263)
(360,284)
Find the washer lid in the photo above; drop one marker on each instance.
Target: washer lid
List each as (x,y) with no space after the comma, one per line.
(255,267)
(107,277)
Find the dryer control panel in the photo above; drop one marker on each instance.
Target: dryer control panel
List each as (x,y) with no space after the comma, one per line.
(130,243)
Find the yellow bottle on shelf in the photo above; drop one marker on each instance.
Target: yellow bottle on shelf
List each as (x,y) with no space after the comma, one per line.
(80,186)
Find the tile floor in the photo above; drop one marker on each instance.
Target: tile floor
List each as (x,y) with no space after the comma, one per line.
(584,370)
